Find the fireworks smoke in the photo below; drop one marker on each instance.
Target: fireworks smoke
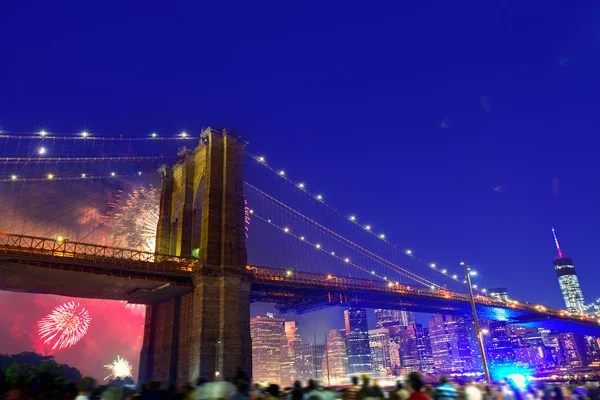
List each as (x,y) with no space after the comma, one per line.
(65,326)
(119,369)
(137,220)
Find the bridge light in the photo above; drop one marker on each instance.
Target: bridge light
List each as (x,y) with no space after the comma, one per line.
(409,252)
(60,239)
(329,276)
(318,246)
(368,227)
(372,272)
(112,174)
(50,176)
(382,236)
(282,173)
(432,287)
(42,150)
(408,288)
(353,218)
(301,237)
(85,134)
(261,159)
(485,331)
(13,177)
(83,175)
(346,259)
(454,276)
(390,284)
(473,273)
(333,253)
(484,290)
(462,263)
(301,185)
(184,134)
(251,211)
(444,271)
(286,229)
(432,265)
(154,134)
(319,197)
(42,133)
(269,221)
(465,281)
(385,277)
(139,173)
(288,272)
(475,286)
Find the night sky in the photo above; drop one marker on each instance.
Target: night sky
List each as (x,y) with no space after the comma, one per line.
(461,130)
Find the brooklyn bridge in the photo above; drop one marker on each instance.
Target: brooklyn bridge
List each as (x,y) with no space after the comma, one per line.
(199,274)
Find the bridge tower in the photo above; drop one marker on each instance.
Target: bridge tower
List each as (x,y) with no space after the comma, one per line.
(205,333)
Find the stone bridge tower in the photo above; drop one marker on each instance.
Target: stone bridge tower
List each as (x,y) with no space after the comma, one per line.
(205,333)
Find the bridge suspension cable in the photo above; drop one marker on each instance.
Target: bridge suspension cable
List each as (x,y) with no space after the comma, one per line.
(302,186)
(341,239)
(31,160)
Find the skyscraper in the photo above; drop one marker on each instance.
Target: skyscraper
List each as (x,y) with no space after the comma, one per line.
(268,341)
(310,362)
(379,341)
(449,344)
(293,340)
(415,348)
(392,317)
(357,341)
(568,281)
(335,359)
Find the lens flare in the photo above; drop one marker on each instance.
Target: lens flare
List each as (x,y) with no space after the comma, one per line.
(119,369)
(65,326)
(137,220)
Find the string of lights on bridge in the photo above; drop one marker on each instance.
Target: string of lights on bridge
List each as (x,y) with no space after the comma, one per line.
(353,219)
(339,238)
(318,247)
(87,135)
(52,177)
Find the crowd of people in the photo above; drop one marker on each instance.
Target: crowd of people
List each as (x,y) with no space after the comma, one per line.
(412,387)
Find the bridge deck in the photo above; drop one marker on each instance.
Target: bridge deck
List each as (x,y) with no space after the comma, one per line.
(42,265)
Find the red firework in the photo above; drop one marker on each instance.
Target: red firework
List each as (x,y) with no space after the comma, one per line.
(65,326)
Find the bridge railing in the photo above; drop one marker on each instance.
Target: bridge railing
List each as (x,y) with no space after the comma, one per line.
(269,274)
(38,247)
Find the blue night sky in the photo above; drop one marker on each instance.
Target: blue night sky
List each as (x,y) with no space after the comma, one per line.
(462,129)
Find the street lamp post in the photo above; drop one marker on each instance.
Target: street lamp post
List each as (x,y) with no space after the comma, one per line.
(476,320)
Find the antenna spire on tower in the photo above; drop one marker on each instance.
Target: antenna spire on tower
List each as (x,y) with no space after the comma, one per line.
(557,245)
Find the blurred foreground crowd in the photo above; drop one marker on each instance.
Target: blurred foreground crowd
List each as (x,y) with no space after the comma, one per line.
(412,387)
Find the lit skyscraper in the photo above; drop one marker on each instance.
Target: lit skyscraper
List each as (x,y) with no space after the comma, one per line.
(335,359)
(379,341)
(310,362)
(293,340)
(393,317)
(268,341)
(450,347)
(357,341)
(568,281)
(415,348)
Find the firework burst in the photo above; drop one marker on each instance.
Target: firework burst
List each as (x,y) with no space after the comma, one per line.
(119,369)
(65,326)
(137,220)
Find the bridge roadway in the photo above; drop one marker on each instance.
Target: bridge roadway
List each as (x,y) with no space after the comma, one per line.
(51,266)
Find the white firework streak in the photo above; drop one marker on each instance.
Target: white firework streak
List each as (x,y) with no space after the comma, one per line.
(136,222)
(119,369)
(66,325)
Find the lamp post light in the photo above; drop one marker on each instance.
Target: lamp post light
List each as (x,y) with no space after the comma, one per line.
(479,332)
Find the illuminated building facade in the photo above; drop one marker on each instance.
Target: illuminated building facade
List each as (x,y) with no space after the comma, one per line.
(393,317)
(293,340)
(574,350)
(569,285)
(310,362)
(415,349)
(268,341)
(568,281)
(450,346)
(357,341)
(379,341)
(336,358)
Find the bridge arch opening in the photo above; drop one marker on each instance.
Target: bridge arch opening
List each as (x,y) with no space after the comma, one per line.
(197,218)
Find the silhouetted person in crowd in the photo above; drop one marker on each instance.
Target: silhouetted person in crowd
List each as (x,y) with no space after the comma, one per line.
(297,392)
(153,392)
(242,388)
(272,392)
(415,384)
(86,385)
(445,391)
(351,393)
(399,392)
